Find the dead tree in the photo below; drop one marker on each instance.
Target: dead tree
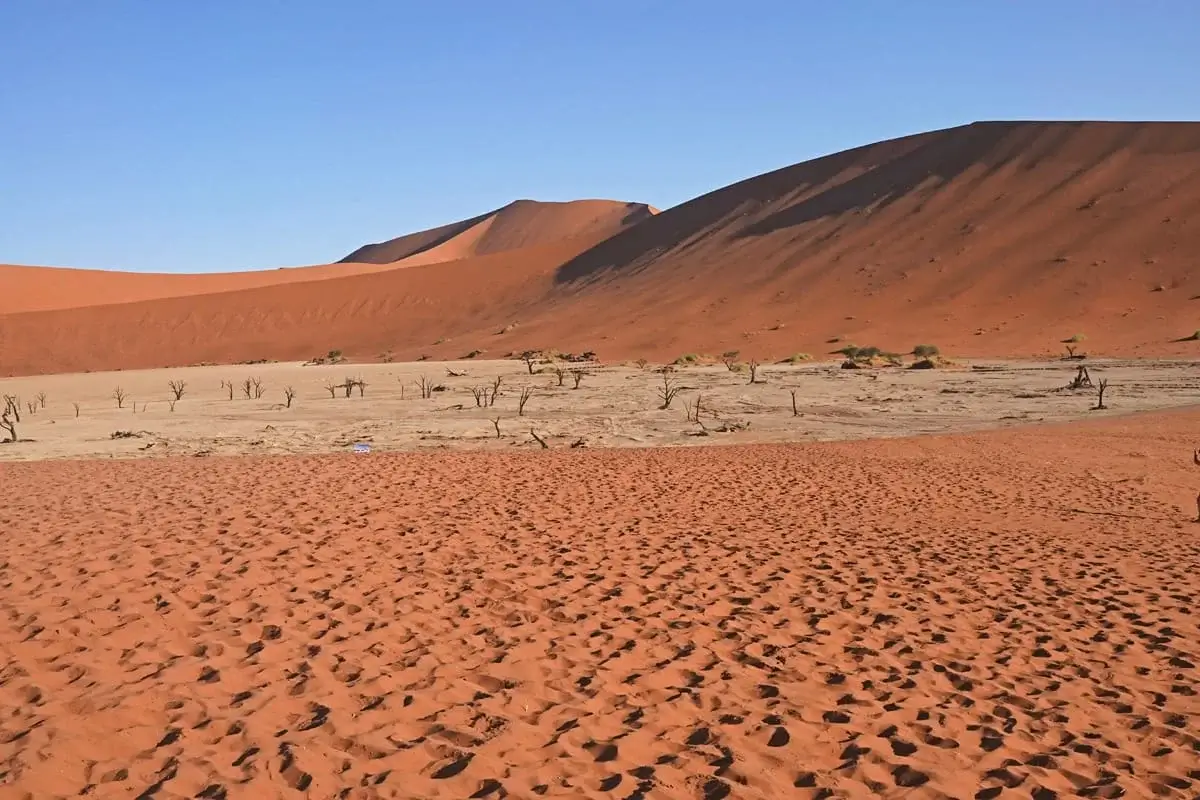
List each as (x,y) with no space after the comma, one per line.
(1196,461)
(348,386)
(539,439)
(1100,394)
(9,418)
(753,365)
(248,388)
(667,392)
(526,393)
(289,394)
(32,406)
(795,409)
(177,388)
(530,358)
(495,391)
(362,387)
(41,398)
(119,395)
(692,411)
(426,387)
(480,393)
(76,410)
(171,401)
(729,358)
(12,404)
(228,385)
(1082,379)
(578,375)
(561,373)
(257,385)
(496,425)
(332,388)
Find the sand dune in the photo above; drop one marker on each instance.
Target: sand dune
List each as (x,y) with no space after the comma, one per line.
(522,223)
(28,288)
(926,618)
(993,240)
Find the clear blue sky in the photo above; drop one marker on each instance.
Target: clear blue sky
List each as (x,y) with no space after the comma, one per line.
(169,135)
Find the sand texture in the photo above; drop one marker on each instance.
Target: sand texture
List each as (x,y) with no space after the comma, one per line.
(988,240)
(1009,614)
(614,406)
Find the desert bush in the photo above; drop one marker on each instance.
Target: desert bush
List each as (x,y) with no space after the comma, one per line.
(867,354)
(849,351)
(641,363)
(289,394)
(926,351)
(1076,339)
(687,359)
(334,356)
(119,395)
(895,359)
(177,389)
(526,393)
(729,359)
(668,390)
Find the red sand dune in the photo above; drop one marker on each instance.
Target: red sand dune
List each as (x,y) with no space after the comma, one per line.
(522,223)
(932,618)
(993,239)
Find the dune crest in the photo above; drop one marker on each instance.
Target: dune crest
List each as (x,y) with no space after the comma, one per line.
(522,223)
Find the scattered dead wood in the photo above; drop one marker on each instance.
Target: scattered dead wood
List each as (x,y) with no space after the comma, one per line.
(539,439)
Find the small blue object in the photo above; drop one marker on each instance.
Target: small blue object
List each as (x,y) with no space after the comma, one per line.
(362,447)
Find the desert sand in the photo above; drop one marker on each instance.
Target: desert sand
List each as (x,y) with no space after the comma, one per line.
(1005,614)
(613,406)
(988,240)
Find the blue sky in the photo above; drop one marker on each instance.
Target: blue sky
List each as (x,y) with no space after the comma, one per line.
(239,134)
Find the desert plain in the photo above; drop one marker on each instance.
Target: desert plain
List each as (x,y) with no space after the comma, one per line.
(971,581)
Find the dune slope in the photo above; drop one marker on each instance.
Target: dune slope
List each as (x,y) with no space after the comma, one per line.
(992,239)
(522,223)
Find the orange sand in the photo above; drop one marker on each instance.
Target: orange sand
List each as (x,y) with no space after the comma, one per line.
(988,240)
(1001,615)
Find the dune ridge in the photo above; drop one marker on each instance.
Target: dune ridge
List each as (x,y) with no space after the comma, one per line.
(994,239)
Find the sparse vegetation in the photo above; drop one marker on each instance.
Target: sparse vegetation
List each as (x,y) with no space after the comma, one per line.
(729,359)
(893,359)
(289,394)
(693,411)
(796,358)
(578,375)
(119,395)
(526,393)
(561,373)
(425,386)
(641,363)
(687,359)
(177,389)
(1076,339)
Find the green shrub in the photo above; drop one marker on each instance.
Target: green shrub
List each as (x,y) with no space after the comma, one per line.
(926,352)
(686,359)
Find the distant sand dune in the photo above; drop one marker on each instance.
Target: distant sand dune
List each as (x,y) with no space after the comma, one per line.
(993,239)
